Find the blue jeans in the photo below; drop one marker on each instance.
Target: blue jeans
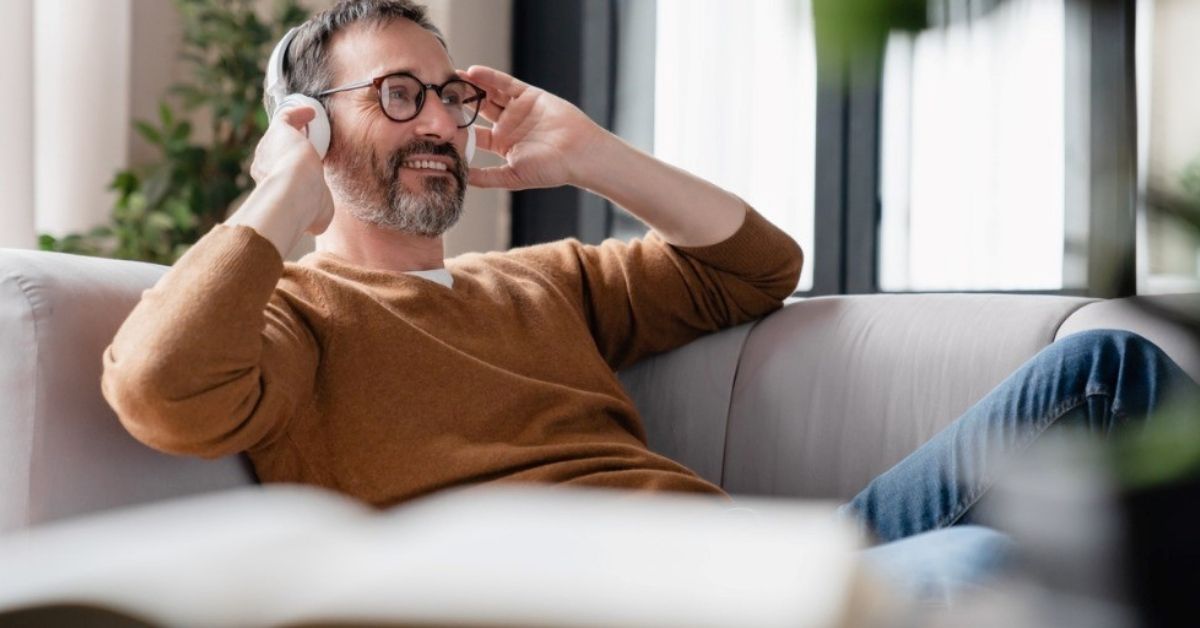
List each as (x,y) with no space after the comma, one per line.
(1094,381)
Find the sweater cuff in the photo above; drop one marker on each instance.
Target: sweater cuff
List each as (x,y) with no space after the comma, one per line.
(756,246)
(230,256)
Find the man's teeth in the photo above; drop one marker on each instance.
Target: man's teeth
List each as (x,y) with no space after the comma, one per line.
(429,165)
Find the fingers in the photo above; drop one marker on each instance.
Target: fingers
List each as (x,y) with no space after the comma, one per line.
(483,139)
(499,86)
(297,117)
(276,143)
(490,110)
(498,177)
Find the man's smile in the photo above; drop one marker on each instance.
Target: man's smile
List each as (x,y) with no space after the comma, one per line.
(427,165)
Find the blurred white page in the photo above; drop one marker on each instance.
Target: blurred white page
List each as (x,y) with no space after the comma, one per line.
(512,556)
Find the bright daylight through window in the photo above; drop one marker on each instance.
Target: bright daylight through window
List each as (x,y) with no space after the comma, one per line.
(973,153)
(735,103)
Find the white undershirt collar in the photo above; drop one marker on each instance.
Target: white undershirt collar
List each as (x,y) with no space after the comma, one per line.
(437,275)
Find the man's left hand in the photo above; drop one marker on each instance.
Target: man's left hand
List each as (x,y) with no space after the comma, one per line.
(541,136)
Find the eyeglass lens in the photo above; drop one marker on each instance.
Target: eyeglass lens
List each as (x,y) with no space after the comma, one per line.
(402,97)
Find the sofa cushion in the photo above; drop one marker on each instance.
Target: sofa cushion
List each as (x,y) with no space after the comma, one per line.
(832,391)
(683,398)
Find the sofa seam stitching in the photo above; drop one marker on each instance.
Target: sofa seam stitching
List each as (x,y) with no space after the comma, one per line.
(737,369)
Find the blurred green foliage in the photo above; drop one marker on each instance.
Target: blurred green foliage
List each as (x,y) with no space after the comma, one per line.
(845,29)
(1164,450)
(1167,449)
(162,208)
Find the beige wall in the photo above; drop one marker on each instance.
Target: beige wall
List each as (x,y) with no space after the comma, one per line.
(471,29)
(16,117)
(1174,136)
(154,66)
(1175,86)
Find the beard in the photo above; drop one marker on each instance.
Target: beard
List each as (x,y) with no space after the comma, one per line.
(375,194)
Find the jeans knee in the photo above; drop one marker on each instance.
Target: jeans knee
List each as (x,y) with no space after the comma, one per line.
(1124,364)
(1109,345)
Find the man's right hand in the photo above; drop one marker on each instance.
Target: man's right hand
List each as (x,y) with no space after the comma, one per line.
(291,196)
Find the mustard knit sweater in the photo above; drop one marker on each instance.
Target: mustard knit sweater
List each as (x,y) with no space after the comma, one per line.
(387,386)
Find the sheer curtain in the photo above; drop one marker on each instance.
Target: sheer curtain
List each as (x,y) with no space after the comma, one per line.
(973,153)
(735,103)
(66,113)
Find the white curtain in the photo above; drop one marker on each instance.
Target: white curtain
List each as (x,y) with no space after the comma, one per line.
(735,103)
(973,153)
(66,115)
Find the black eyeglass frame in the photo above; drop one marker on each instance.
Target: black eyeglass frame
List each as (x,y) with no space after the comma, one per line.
(377,83)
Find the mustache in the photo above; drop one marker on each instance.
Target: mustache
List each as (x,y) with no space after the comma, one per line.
(426,147)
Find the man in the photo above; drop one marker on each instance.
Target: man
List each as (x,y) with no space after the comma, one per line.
(376,368)
(345,372)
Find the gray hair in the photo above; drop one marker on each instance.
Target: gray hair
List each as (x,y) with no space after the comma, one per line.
(306,66)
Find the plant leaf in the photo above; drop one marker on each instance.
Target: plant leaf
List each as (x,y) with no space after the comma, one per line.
(149,132)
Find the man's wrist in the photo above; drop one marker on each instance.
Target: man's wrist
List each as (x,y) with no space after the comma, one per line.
(594,168)
(266,211)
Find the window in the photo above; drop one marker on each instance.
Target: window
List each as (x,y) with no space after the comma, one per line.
(735,103)
(972,153)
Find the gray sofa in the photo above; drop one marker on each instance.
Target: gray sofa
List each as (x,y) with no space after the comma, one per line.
(811,401)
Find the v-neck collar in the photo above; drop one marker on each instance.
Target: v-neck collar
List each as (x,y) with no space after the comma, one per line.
(440,276)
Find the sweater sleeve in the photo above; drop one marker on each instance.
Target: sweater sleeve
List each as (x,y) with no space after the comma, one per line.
(647,296)
(213,360)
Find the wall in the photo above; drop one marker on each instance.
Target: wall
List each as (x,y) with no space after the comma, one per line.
(16,117)
(1175,85)
(1173,253)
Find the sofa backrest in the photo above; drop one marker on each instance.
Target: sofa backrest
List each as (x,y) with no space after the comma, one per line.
(829,392)
(62,451)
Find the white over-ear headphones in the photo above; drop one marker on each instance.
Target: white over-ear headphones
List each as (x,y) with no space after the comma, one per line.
(277,100)
(318,128)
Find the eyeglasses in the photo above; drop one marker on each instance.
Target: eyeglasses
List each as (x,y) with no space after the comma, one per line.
(402,96)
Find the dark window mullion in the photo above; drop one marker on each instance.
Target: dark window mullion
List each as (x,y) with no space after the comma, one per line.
(1102,143)
(830,184)
(861,252)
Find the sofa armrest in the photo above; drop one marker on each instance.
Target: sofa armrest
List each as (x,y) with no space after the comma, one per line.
(1126,314)
(62,449)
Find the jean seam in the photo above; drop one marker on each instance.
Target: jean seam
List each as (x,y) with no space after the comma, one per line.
(1065,407)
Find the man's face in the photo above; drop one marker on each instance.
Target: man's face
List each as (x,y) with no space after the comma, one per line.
(373,161)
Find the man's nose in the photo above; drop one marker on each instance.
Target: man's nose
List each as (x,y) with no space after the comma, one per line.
(435,120)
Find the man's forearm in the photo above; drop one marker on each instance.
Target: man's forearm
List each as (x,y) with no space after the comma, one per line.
(265,211)
(683,208)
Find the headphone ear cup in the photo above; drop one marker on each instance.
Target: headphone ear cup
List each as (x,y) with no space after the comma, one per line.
(470,143)
(318,128)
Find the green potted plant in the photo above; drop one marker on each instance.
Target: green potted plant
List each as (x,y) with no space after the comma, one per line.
(162,208)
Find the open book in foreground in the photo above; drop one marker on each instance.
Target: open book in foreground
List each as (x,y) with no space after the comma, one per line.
(531,556)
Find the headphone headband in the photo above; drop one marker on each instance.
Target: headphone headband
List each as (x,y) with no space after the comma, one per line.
(274,91)
(275,94)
